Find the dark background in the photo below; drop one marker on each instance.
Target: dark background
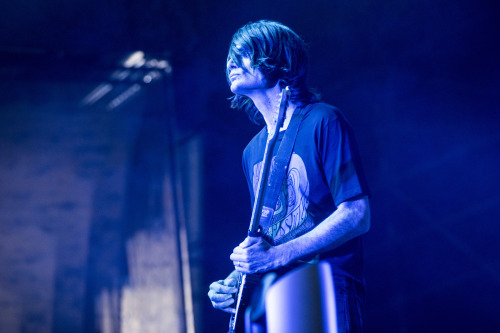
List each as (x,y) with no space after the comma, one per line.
(418,80)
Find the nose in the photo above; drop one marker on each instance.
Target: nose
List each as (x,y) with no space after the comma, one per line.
(231,64)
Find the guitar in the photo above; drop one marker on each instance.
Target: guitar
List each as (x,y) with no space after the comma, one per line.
(248,282)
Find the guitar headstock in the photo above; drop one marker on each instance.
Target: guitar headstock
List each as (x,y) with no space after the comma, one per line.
(284,98)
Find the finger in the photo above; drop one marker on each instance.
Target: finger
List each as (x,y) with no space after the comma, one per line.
(229,309)
(227,290)
(219,288)
(216,285)
(238,250)
(220,298)
(238,261)
(242,267)
(223,305)
(236,257)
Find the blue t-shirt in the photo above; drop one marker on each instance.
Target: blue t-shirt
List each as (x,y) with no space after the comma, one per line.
(324,171)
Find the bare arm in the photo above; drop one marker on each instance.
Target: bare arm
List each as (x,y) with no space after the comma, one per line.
(351,219)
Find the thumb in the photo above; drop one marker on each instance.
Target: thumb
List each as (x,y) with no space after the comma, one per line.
(230,282)
(249,241)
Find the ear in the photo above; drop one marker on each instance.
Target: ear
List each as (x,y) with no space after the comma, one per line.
(283,83)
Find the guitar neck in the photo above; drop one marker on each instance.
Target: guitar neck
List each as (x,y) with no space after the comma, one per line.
(264,173)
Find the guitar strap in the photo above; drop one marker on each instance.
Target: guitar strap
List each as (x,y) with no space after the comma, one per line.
(279,169)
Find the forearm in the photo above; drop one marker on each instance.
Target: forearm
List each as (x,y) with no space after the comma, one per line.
(351,219)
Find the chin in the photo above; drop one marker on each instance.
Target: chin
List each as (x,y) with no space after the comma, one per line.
(235,89)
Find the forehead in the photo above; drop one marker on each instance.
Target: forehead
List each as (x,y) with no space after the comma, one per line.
(237,52)
(240,46)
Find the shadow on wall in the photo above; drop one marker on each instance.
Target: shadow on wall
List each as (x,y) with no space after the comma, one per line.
(141,287)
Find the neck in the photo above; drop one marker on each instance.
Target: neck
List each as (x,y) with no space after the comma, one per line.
(268,103)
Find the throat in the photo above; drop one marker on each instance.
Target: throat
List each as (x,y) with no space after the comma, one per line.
(272,119)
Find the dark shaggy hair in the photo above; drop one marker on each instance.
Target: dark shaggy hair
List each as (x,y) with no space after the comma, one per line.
(279,53)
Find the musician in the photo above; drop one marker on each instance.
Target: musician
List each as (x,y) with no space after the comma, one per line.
(322,209)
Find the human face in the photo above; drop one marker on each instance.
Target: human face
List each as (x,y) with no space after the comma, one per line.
(245,80)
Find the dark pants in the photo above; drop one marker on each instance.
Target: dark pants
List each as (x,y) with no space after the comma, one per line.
(349,301)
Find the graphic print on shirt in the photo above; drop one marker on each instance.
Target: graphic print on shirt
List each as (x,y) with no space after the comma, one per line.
(290,218)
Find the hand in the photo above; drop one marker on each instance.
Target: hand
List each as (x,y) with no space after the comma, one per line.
(222,292)
(255,255)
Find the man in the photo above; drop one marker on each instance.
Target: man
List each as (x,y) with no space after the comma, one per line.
(322,207)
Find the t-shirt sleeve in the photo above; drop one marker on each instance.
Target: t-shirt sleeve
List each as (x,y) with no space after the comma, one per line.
(341,161)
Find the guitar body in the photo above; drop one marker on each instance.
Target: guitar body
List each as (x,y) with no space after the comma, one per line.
(248,284)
